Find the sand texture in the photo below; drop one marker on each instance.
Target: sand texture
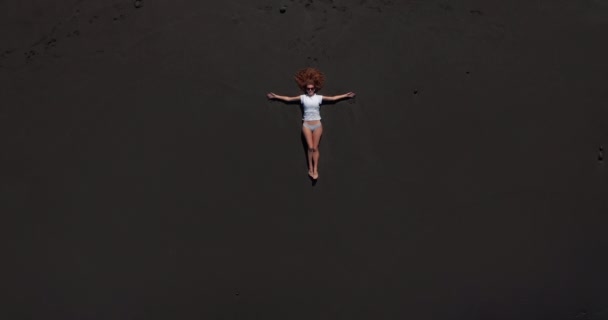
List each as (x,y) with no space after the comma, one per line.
(144,174)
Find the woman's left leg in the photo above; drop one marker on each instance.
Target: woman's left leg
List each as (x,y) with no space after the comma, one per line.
(316,139)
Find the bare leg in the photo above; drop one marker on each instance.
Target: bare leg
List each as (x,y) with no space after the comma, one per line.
(316,139)
(308,135)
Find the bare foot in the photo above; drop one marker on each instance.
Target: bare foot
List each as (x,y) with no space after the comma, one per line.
(315,175)
(310,173)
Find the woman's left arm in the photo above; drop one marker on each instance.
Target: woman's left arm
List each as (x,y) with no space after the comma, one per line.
(339,97)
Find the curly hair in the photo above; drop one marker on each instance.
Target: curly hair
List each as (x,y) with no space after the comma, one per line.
(308,76)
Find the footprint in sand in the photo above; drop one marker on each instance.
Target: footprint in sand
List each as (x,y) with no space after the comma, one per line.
(446,7)
(29,55)
(492,32)
(235,19)
(50,44)
(311,61)
(266,8)
(295,44)
(120,17)
(384,4)
(6,53)
(73,33)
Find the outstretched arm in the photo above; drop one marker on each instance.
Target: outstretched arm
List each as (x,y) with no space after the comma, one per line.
(338,97)
(284,98)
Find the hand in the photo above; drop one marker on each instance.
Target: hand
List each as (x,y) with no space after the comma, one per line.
(350,94)
(271,96)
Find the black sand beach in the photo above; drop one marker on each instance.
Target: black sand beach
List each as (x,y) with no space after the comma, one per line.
(145,175)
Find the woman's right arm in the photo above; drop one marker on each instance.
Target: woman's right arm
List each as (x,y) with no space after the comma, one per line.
(284,98)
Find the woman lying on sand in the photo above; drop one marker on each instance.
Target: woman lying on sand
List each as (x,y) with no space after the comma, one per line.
(311,80)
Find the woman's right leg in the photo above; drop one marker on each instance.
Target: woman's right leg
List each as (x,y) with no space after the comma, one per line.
(308,136)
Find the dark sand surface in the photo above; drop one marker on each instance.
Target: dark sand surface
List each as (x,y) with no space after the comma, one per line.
(144,174)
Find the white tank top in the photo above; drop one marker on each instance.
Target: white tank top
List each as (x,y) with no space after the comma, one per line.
(311,106)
